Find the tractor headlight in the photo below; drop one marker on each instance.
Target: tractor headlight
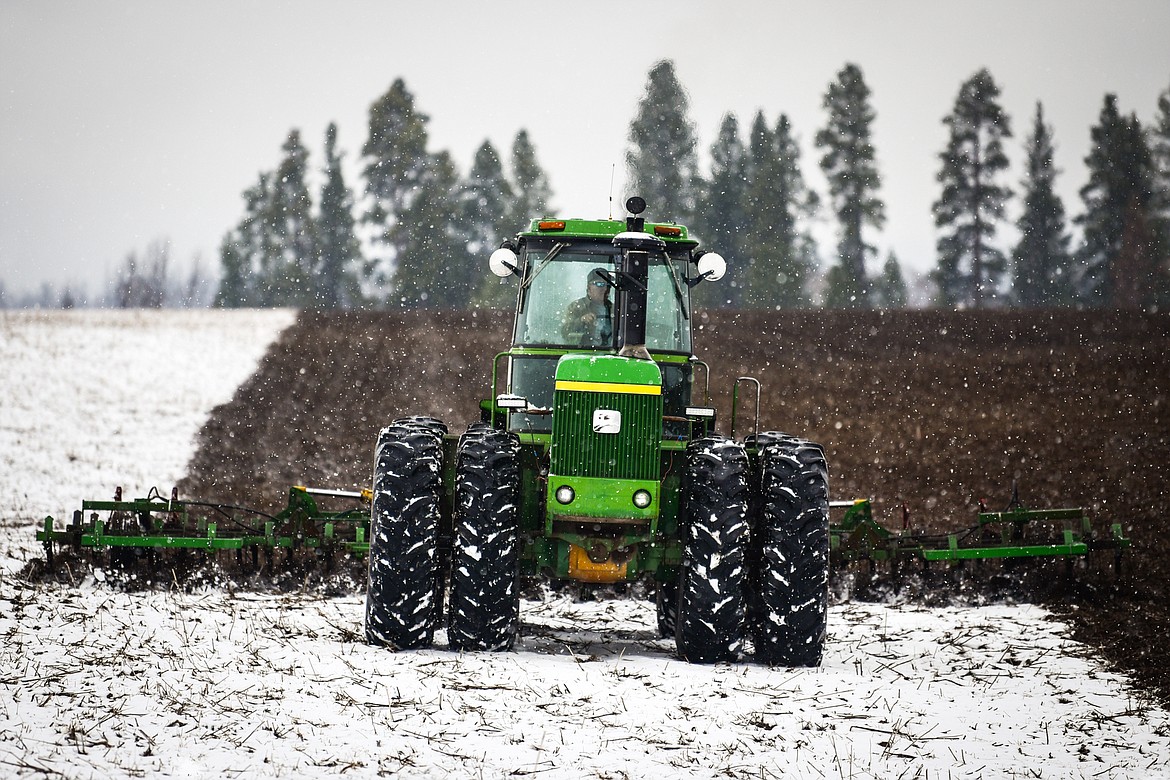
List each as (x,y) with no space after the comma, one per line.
(642,498)
(565,494)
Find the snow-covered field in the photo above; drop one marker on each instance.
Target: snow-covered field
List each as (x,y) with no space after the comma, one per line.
(95,682)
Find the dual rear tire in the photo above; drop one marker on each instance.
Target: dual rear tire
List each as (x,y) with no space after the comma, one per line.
(755,553)
(406,578)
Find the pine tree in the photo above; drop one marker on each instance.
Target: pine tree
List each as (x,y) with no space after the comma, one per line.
(849,165)
(723,220)
(272,255)
(970,269)
(532,191)
(780,251)
(248,251)
(434,270)
(341,260)
(1159,140)
(487,197)
(890,286)
(233,280)
(291,277)
(662,161)
(1117,258)
(1043,263)
(487,206)
(397,160)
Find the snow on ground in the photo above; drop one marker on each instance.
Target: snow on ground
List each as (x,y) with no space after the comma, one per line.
(95,682)
(90,400)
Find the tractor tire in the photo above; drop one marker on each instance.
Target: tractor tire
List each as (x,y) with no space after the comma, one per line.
(666,600)
(709,624)
(484,609)
(436,427)
(404,521)
(792,586)
(755,548)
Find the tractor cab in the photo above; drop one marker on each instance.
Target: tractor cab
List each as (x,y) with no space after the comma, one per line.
(578,294)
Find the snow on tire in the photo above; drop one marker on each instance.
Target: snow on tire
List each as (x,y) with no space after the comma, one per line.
(437,427)
(792,576)
(484,611)
(404,520)
(709,623)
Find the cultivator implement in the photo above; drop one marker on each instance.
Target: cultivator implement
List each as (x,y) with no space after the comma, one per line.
(155,523)
(128,527)
(1016,533)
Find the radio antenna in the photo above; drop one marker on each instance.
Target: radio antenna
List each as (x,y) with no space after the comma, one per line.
(612,168)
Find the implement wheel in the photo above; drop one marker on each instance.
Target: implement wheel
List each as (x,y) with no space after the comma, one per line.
(790,587)
(709,624)
(404,520)
(484,611)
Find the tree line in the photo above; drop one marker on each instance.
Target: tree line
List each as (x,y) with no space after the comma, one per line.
(417,238)
(415,231)
(756,203)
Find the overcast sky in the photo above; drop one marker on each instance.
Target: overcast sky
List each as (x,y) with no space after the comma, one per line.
(126,122)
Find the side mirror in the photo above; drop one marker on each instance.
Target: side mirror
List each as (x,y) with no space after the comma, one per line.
(503,262)
(711,267)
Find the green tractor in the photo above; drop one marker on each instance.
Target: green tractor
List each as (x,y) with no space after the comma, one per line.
(591,464)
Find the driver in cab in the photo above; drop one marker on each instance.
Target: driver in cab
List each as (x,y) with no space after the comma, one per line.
(589,320)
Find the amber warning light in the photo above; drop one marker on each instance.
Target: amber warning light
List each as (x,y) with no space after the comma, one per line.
(551,224)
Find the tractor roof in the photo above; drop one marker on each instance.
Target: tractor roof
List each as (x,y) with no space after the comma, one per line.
(603,228)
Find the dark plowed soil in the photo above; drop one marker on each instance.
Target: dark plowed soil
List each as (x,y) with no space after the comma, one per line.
(936,409)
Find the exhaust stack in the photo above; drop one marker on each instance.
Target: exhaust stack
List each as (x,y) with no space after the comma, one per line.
(633,277)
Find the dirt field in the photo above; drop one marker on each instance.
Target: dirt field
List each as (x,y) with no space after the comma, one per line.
(934,409)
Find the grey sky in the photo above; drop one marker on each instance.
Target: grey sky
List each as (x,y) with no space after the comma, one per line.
(125,122)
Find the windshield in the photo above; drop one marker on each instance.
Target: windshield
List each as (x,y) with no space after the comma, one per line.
(567,301)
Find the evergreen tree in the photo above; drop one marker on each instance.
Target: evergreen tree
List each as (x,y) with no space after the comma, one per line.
(890,287)
(1117,257)
(272,255)
(1159,140)
(662,161)
(487,207)
(849,165)
(434,269)
(233,290)
(780,251)
(970,268)
(291,277)
(723,221)
(487,198)
(341,259)
(397,161)
(1043,263)
(249,251)
(532,191)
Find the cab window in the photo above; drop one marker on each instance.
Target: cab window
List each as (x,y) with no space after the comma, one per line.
(558,310)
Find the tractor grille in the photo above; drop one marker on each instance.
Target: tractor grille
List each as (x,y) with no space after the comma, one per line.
(632,453)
